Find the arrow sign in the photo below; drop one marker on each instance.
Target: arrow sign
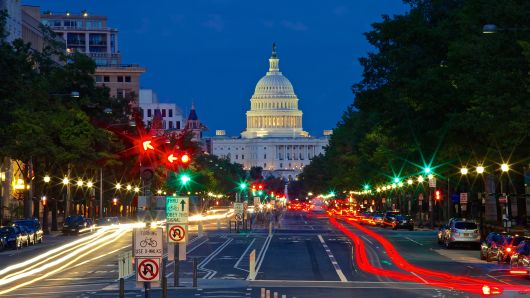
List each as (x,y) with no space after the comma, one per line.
(182,204)
(171,158)
(176,233)
(147,145)
(148,269)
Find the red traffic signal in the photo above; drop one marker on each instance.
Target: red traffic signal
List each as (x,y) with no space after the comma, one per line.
(174,158)
(438,195)
(185,158)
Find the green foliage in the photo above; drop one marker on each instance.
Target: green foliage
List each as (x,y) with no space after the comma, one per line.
(435,90)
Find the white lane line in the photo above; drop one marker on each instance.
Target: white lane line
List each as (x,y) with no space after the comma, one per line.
(210,273)
(169,264)
(408,238)
(497,279)
(367,240)
(261,255)
(236,265)
(333,261)
(421,278)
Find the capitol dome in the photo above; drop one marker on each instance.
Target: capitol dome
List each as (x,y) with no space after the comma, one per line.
(274,106)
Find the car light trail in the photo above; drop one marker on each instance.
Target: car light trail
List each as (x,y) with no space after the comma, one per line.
(64,255)
(68,260)
(430,277)
(53,252)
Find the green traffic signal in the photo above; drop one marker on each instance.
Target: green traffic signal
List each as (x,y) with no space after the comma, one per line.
(242,185)
(427,170)
(396,180)
(184,179)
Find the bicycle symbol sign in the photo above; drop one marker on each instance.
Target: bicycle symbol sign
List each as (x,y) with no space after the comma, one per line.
(148,269)
(148,242)
(176,233)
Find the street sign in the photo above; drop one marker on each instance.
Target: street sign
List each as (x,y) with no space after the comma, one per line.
(148,269)
(503,200)
(432,182)
(463,198)
(176,233)
(257,201)
(148,242)
(239,208)
(420,197)
(239,217)
(455,198)
(125,266)
(177,209)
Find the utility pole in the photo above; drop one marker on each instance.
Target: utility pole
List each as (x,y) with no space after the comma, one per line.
(100,192)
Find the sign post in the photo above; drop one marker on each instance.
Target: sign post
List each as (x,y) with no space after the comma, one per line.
(148,251)
(177,212)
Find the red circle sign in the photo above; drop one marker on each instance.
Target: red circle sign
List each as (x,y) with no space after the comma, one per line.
(148,269)
(177,233)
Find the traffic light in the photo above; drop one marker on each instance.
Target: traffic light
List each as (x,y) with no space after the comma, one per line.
(184,179)
(243,185)
(438,195)
(175,158)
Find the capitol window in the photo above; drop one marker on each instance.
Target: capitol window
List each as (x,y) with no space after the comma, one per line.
(242,156)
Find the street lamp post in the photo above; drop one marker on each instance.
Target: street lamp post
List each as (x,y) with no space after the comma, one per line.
(508,208)
(47,180)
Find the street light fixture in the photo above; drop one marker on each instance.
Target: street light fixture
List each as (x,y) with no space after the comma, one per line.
(505,167)
(118,186)
(420,179)
(430,176)
(79,183)
(47,179)
(480,169)
(159,192)
(410,181)
(129,187)
(66,181)
(464,171)
(89,184)
(136,189)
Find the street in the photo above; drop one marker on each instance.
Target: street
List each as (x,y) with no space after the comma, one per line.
(304,257)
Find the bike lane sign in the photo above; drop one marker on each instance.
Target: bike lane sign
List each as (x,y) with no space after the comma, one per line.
(148,243)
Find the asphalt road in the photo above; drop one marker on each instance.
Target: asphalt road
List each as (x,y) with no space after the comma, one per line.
(305,256)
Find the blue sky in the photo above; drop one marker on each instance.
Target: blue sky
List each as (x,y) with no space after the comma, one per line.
(215,51)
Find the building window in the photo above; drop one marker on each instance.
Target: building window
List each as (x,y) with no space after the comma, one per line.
(237,156)
(120,79)
(264,156)
(149,113)
(264,165)
(178,124)
(127,79)
(106,79)
(121,93)
(242,156)
(99,79)
(170,111)
(170,124)
(163,112)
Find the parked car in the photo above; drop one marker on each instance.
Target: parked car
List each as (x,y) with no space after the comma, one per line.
(74,224)
(521,255)
(377,219)
(402,222)
(440,236)
(90,226)
(15,238)
(107,221)
(366,216)
(30,236)
(389,218)
(34,227)
(512,242)
(462,232)
(3,241)
(490,247)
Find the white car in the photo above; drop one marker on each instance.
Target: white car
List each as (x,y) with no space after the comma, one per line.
(462,232)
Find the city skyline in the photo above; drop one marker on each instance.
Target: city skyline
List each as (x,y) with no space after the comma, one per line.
(214,52)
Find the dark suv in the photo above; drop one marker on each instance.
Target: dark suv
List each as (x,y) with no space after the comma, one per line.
(34,227)
(388,219)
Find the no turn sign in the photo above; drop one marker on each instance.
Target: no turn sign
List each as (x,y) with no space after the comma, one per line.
(148,270)
(176,233)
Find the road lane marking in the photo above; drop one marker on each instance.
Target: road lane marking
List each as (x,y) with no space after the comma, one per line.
(368,240)
(497,279)
(210,272)
(421,278)
(236,265)
(408,238)
(261,255)
(333,261)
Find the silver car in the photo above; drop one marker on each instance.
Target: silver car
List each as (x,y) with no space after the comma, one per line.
(462,232)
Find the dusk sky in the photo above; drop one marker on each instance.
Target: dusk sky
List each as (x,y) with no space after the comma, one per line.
(215,51)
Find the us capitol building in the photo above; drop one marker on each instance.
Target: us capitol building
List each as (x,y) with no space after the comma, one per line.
(274,138)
